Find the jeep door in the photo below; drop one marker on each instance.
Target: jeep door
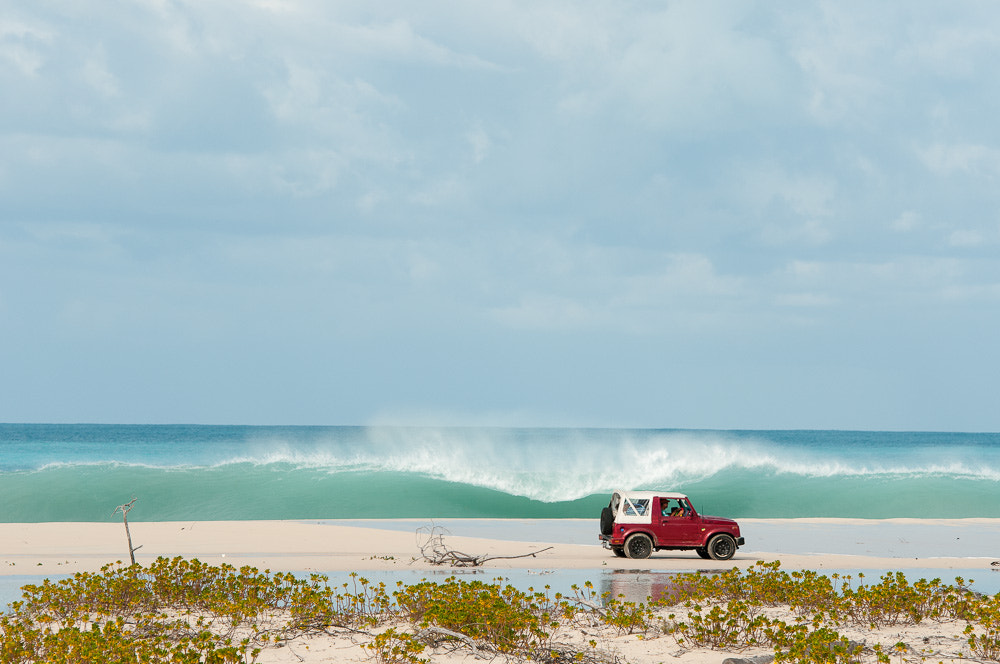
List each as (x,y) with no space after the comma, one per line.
(681,529)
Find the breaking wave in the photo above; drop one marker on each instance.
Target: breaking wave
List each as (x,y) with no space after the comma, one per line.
(351,472)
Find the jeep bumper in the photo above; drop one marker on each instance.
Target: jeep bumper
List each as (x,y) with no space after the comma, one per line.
(608,541)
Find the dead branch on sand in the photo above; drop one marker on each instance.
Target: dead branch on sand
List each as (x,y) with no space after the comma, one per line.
(430,541)
(124,509)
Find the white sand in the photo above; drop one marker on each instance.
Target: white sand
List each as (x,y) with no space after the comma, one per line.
(65,548)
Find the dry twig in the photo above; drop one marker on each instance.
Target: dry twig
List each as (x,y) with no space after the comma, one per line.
(430,541)
(124,509)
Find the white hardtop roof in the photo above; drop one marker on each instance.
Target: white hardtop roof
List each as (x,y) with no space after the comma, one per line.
(649,495)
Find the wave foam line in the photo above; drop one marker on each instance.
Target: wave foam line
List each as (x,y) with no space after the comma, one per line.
(565,465)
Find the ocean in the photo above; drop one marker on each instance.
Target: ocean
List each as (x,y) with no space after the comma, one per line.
(81,472)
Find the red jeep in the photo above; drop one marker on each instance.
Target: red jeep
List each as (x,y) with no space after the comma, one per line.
(636,523)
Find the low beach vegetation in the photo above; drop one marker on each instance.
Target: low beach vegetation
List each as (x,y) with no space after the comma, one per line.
(184,611)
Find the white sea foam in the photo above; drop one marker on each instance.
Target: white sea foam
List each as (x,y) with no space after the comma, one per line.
(560,465)
(286,472)
(571,465)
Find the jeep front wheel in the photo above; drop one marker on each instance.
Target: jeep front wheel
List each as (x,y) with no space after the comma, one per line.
(638,546)
(721,547)
(702,552)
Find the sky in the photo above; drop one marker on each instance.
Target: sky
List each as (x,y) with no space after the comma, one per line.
(726,215)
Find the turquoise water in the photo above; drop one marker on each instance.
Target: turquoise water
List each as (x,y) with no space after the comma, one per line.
(81,472)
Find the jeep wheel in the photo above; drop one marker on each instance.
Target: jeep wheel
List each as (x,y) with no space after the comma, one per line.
(702,552)
(638,546)
(618,551)
(607,521)
(721,547)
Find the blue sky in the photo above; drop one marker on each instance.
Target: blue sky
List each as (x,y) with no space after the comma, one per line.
(674,214)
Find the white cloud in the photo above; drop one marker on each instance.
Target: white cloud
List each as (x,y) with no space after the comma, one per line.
(23,44)
(676,81)
(369,201)
(810,233)
(906,222)
(967,158)
(480,143)
(681,67)
(794,208)
(975,294)
(308,172)
(680,277)
(438,193)
(804,300)
(615,171)
(97,75)
(547,312)
(951,46)
(966,238)
(397,38)
(632,292)
(805,195)
(75,233)
(903,281)
(800,269)
(325,105)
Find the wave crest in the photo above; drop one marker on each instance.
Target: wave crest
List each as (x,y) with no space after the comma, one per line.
(555,465)
(561,465)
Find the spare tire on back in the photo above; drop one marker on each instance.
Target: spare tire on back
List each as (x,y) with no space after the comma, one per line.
(607,520)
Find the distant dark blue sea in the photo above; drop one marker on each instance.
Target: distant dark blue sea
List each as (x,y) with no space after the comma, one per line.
(81,472)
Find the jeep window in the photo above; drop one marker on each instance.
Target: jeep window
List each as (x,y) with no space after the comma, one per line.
(636,507)
(672,507)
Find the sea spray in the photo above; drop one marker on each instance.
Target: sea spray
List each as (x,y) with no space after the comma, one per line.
(80,472)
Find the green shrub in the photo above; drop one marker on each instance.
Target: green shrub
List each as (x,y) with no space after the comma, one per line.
(392,647)
(184,611)
(500,615)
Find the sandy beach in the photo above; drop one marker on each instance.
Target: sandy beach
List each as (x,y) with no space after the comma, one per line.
(321,546)
(390,550)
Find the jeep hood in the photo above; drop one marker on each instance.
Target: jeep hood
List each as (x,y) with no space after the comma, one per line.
(717,521)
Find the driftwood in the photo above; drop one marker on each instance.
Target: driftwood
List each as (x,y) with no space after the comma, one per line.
(430,541)
(436,636)
(550,653)
(124,509)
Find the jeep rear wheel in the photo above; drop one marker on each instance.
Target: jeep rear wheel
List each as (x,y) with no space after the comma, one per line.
(721,547)
(618,551)
(638,546)
(702,552)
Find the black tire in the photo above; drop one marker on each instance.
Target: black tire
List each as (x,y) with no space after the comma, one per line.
(721,547)
(618,551)
(638,546)
(702,552)
(607,521)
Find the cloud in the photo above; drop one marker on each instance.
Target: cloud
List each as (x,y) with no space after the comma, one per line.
(906,222)
(23,45)
(524,178)
(480,143)
(600,292)
(952,45)
(966,238)
(840,53)
(968,159)
(812,232)
(806,300)
(669,68)
(541,312)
